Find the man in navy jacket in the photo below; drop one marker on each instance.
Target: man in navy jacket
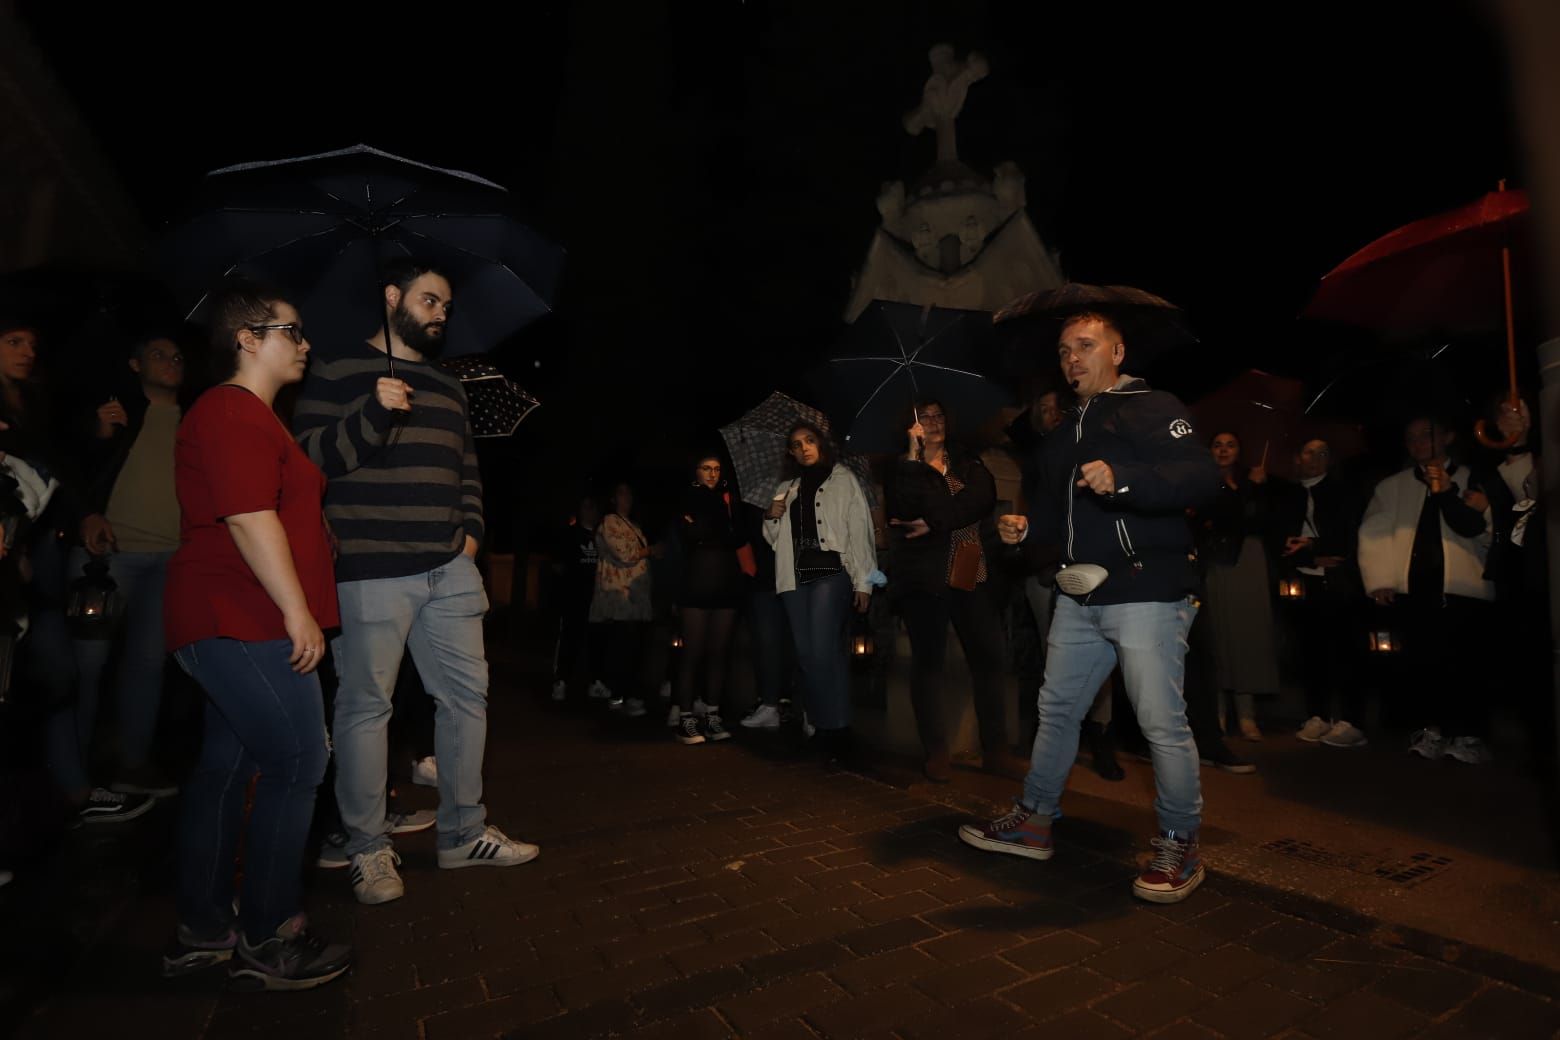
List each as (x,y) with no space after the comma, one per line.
(1115,483)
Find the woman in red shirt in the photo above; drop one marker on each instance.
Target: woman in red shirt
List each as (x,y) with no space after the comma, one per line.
(249,591)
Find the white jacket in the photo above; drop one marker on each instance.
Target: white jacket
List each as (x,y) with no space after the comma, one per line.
(844,526)
(1387,540)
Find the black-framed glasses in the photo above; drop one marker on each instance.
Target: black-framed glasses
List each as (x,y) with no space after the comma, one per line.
(294,330)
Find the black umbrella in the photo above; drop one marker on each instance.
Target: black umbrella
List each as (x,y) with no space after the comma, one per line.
(898,353)
(495,406)
(321,226)
(1151,326)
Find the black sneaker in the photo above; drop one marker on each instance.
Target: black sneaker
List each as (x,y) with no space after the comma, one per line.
(1218,753)
(190,953)
(295,958)
(713,729)
(105,806)
(688,729)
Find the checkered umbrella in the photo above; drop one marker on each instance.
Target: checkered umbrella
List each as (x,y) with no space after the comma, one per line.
(756,442)
(495,406)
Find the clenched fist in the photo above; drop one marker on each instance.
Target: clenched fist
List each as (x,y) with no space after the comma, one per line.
(1098,477)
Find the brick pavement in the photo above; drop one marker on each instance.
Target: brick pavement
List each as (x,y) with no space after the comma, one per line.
(734,890)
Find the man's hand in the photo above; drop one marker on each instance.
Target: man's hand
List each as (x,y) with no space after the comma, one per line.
(1012,527)
(863,602)
(394,395)
(916,528)
(1383,596)
(471,547)
(109,415)
(97,534)
(1476,500)
(1295,543)
(1098,477)
(1436,478)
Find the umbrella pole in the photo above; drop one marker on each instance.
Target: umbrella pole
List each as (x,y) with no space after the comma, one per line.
(1480,428)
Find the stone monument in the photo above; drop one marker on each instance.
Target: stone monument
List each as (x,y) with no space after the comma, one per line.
(953,238)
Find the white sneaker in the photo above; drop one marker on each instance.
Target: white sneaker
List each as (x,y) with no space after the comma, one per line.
(598,691)
(411,822)
(492,849)
(1345,735)
(560,690)
(1315,729)
(425,771)
(673,715)
(374,877)
(1428,743)
(633,707)
(765,716)
(1469,751)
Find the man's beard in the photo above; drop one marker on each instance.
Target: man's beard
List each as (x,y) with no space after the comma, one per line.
(415,334)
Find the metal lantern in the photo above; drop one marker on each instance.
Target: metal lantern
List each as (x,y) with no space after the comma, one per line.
(1291,588)
(861,644)
(1384,641)
(677,641)
(94,597)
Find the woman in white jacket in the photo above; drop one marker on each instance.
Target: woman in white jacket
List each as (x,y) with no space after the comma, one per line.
(821,530)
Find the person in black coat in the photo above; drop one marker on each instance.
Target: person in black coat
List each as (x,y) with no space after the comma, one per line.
(711,591)
(943,541)
(1315,532)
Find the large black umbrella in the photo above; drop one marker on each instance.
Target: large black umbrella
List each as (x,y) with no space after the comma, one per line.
(321,225)
(1151,326)
(899,353)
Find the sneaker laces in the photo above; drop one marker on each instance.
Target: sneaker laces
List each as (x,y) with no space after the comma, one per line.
(1015,816)
(497,837)
(1172,851)
(379,865)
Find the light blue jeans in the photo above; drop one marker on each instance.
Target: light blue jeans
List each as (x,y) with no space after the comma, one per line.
(1085,644)
(437,615)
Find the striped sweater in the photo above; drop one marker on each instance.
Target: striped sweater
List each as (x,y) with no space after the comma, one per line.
(404,492)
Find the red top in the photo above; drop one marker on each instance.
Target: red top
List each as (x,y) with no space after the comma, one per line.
(233,456)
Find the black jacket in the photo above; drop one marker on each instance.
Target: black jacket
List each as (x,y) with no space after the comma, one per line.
(1223,525)
(917,491)
(106,458)
(1337,522)
(1139,534)
(707,530)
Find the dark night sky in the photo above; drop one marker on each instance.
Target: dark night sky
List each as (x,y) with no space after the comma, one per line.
(711,167)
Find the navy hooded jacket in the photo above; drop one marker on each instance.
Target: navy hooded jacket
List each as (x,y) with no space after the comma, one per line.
(1139,534)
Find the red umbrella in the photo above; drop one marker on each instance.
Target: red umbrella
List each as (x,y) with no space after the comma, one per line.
(1449,273)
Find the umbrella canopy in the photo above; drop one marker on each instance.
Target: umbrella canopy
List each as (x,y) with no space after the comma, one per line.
(1267,412)
(1151,326)
(898,353)
(756,442)
(1439,275)
(495,406)
(321,225)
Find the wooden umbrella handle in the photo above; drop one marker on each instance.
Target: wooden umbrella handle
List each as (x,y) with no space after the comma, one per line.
(1481,428)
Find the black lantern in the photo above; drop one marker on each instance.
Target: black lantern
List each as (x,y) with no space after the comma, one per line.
(1292,588)
(94,597)
(861,644)
(1384,640)
(677,641)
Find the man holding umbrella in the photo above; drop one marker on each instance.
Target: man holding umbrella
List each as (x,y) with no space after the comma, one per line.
(405,502)
(1114,486)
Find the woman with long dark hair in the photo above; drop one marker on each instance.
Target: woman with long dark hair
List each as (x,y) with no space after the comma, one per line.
(250,591)
(707,601)
(940,505)
(825,562)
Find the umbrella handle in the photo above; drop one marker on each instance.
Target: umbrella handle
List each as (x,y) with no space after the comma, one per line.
(1481,428)
(1480,434)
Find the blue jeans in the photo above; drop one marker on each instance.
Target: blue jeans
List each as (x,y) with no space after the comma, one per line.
(261,717)
(138,686)
(1085,644)
(818,612)
(772,663)
(437,615)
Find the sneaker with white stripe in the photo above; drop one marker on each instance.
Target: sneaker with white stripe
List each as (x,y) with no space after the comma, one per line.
(492,849)
(374,877)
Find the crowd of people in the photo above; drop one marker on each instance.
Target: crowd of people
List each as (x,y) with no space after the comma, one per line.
(301,540)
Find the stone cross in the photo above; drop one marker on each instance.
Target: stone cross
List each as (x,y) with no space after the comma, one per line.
(943,97)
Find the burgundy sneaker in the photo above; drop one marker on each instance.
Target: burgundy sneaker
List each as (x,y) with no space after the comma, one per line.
(1175,871)
(1021,832)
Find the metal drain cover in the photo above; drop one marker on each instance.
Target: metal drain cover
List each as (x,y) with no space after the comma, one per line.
(1414,868)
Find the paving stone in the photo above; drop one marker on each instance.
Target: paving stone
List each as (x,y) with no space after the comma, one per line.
(800,931)
(1061,990)
(783,999)
(493,1017)
(871,1014)
(1364,1014)
(1153,1003)
(420,1003)
(908,904)
(965,981)
(1254,1010)
(864,974)
(1075,1025)
(981,1019)
(1132,961)
(1289,939)
(697,991)
(1426,987)
(721,953)
(1517,1015)
(1222,968)
(1053,951)
(818,956)
(584,990)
